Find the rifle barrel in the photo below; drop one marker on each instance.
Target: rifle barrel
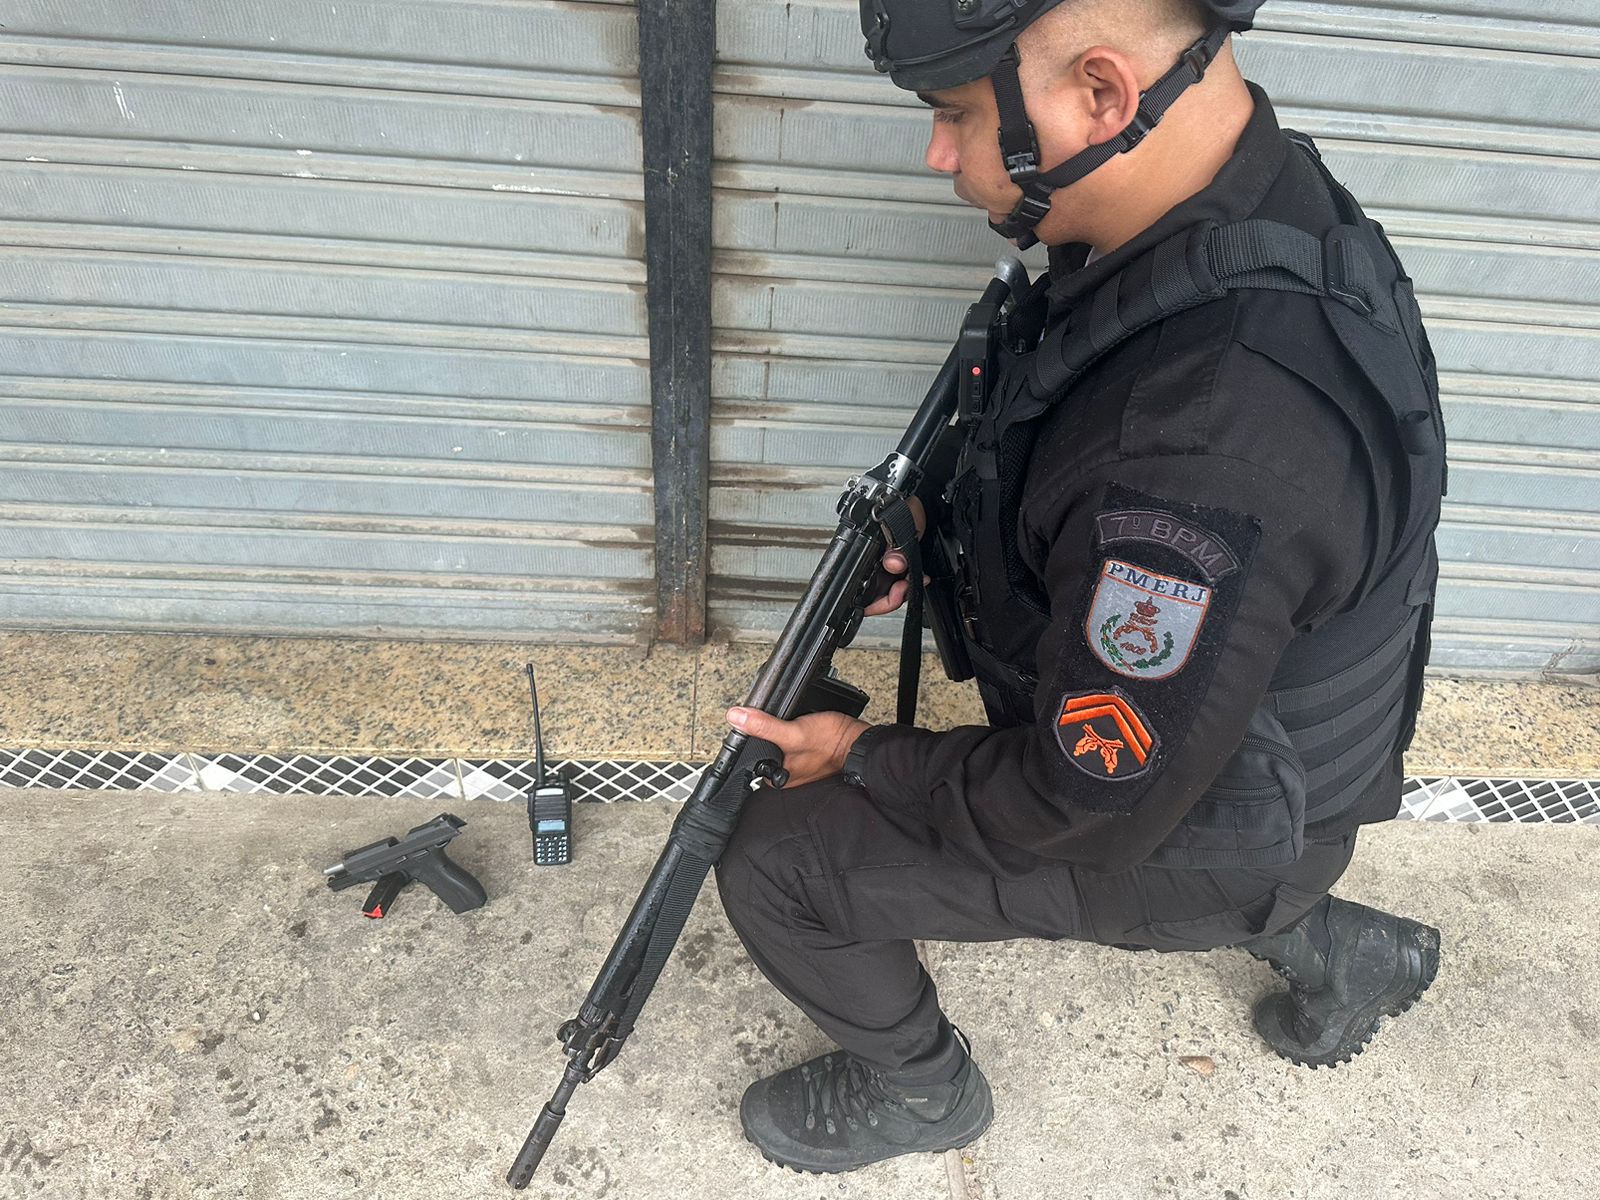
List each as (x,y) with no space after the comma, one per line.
(543,1131)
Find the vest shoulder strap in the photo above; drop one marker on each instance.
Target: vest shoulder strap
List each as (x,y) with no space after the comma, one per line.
(1366,300)
(1199,265)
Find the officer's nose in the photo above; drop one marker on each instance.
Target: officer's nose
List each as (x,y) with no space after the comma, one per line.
(942,156)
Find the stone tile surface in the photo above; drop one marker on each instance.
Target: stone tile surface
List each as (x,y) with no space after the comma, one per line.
(1482,727)
(86,689)
(314,695)
(319,695)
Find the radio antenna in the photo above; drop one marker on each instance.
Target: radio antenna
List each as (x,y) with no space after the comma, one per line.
(538,734)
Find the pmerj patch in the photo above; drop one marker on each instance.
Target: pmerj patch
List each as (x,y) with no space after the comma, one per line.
(1144,624)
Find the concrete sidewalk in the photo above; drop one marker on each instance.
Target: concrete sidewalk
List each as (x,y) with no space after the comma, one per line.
(189,1012)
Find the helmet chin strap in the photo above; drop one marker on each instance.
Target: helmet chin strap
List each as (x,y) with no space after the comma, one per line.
(1019,146)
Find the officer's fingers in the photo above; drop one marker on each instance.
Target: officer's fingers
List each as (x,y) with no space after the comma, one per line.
(894,562)
(895,597)
(762,725)
(918,513)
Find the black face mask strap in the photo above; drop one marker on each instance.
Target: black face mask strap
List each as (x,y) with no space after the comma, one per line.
(1020,147)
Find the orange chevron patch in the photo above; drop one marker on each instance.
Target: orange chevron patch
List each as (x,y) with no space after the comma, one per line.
(1110,738)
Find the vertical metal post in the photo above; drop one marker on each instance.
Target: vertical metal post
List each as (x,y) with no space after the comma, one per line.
(675,54)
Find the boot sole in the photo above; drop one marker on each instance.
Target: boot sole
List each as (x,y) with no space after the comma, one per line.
(1416,970)
(977,1122)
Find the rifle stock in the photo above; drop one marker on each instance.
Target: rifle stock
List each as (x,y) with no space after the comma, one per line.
(825,619)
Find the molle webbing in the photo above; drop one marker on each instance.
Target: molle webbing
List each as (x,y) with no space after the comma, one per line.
(1197,266)
(1187,270)
(1328,695)
(1311,740)
(1366,701)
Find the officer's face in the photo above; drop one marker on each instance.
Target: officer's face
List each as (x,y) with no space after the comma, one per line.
(965,145)
(1088,101)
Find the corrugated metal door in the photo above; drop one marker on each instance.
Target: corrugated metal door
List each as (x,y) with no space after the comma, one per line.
(323,316)
(843,267)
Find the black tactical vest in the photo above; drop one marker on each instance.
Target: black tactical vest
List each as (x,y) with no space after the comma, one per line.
(1321,754)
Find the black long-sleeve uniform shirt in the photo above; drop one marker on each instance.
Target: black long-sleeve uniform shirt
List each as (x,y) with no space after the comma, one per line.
(1189,413)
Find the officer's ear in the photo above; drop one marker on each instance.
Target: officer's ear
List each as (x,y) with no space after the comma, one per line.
(1102,89)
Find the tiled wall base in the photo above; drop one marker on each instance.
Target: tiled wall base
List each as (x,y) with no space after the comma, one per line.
(1452,798)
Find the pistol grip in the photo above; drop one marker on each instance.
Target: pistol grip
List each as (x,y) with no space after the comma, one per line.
(450,882)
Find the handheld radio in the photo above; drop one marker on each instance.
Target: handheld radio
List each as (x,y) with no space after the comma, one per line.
(550,801)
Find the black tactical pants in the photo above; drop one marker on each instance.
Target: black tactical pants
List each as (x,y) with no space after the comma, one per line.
(827,892)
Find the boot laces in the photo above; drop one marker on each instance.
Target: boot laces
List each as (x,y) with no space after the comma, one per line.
(845,1088)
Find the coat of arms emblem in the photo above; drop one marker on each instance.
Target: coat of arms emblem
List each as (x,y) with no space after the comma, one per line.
(1143,624)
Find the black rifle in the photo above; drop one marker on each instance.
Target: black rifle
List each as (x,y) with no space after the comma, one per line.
(826,618)
(395,862)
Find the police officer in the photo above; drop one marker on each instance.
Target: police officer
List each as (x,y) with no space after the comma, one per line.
(1195,515)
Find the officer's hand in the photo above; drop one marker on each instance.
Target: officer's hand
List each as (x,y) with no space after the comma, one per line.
(894,562)
(814,746)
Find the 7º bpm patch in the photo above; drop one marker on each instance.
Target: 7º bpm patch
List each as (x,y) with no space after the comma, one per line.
(1143,624)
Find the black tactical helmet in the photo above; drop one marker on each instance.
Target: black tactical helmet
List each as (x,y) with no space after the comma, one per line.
(927,45)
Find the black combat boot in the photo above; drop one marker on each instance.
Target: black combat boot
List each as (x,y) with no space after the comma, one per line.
(835,1113)
(1348,967)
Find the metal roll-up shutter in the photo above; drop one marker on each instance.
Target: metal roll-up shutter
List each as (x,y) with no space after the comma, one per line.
(1474,136)
(842,266)
(323,317)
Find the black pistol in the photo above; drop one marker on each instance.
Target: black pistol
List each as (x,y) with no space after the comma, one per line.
(395,862)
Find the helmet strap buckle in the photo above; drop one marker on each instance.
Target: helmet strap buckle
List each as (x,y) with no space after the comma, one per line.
(1139,128)
(1019,143)
(1198,57)
(1025,216)
(1022,165)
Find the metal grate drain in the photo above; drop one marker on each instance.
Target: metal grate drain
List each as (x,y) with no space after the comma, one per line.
(1449,798)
